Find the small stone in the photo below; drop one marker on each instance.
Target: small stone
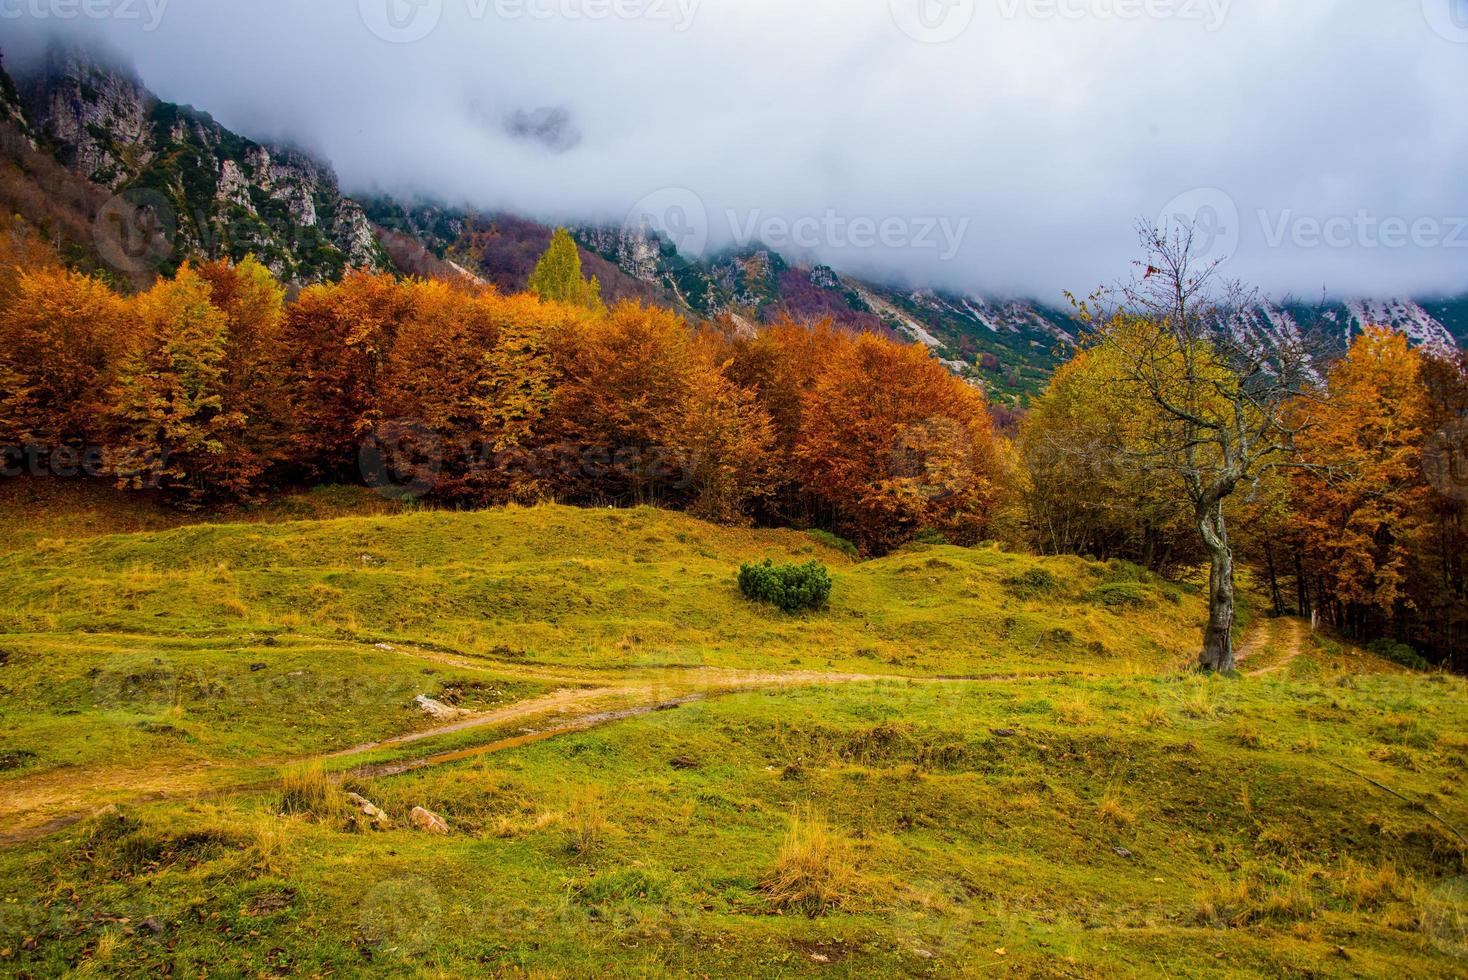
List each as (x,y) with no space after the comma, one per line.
(428,821)
(1122,852)
(1003,732)
(819,958)
(385,646)
(435,709)
(256,667)
(376,818)
(151,925)
(926,954)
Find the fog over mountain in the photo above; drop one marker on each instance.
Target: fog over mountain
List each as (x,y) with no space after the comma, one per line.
(1007,146)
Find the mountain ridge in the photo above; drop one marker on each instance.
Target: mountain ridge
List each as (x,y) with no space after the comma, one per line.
(222,195)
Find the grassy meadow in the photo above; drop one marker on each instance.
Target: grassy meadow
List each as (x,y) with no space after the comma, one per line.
(972,763)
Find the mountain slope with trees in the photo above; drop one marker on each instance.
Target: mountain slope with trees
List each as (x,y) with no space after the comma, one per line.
(147,185)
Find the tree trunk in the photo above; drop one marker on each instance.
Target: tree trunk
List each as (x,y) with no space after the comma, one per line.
(1218,641)
(1273,578)
(1302,586)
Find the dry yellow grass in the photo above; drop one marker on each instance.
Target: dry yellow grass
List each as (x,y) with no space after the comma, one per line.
(815,870)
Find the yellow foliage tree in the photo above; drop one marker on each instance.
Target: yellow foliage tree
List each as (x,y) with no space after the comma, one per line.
(172,428)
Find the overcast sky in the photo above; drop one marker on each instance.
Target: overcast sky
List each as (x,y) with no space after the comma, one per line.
(1006,146)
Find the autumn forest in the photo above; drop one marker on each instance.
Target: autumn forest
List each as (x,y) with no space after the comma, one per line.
(211,390)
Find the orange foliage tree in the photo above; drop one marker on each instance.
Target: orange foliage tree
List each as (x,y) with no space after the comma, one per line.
(252,387)
(516,391)
(1360,492)
(338,337)
(59,334)
(1440,587)
(431,382)
(891,443)
(466,388)
(644,413)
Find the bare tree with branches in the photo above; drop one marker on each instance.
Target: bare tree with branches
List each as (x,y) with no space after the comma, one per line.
(1221,388)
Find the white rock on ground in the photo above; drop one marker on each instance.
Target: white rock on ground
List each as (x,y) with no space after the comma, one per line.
(428,821)
(435,709)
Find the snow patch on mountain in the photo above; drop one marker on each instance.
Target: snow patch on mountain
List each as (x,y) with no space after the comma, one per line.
(900,320)
(1402,315)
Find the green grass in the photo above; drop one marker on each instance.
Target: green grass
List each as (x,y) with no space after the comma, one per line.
(596,588)
(642,847)
(1034,786)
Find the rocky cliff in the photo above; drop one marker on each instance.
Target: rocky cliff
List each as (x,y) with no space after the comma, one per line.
(210,192)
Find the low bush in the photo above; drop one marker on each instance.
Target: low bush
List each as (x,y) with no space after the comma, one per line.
(791,587)
(1032,582)
(1398,653)
(930,535)
(835,541)
(1120,595)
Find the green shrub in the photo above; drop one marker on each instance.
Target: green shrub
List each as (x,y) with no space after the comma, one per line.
(1119,595)
(834,541)
(930,535)
(1032,582)
(1398,653)
(1124,571)
(791,587)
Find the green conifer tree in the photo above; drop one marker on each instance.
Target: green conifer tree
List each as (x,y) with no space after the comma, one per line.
(557,275)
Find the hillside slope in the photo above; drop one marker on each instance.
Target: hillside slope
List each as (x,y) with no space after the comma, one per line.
(973,762)
(603,589)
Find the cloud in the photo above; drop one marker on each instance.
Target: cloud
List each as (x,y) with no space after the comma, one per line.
(551,127)
(1329,134)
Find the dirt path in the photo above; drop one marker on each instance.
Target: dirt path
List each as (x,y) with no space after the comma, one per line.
(1282,638)
(35,806)
(1254,641)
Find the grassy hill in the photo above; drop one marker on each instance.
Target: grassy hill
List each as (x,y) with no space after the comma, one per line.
(972,762)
